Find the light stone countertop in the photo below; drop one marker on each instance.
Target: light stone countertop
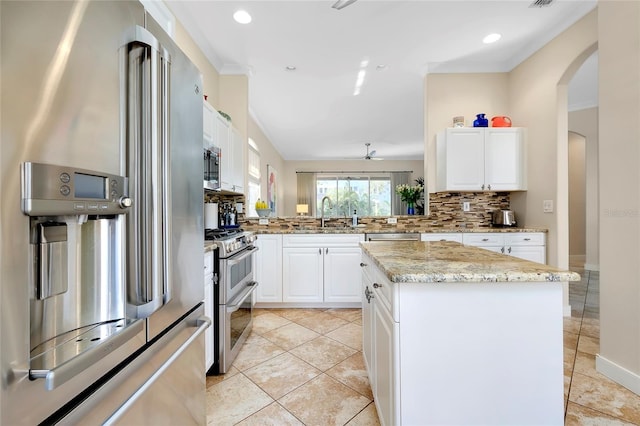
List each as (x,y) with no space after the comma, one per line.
(447,261)
(386,230)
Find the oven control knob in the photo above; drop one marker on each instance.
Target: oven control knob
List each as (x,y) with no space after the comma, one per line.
(230,247)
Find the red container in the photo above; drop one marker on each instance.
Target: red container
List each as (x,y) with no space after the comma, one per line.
(501,121)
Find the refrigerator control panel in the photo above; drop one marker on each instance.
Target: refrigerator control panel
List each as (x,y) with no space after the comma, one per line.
(51,190)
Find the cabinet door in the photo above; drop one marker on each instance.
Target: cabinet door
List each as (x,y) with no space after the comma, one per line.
(302,275)
(237,160)
(342,274)
(384,345)
(207,124)
(532,253)
(367,325)
(208,311)
(463,159)
(222,136)
(504,159)
(268,270)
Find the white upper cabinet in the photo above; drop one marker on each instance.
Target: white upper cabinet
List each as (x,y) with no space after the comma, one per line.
(237,161)
(481,159)
(208,117)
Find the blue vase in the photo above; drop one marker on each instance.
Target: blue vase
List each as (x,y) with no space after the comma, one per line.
(481,121)
(410,208)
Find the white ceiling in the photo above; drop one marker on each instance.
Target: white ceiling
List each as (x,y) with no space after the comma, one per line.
(311,113)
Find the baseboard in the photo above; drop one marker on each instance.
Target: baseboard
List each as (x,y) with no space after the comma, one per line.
(618,374)
(592,267)
(566,310)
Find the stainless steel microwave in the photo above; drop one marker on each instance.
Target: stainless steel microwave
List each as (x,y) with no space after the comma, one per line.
(212,168)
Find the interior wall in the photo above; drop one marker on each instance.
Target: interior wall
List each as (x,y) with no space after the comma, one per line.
(288,178)
(538,101)
(619,133)
(451,95)
(577,196)
(210,76)
(268,156)
(585,122)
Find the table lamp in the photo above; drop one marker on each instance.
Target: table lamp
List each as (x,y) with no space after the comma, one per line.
(302,209)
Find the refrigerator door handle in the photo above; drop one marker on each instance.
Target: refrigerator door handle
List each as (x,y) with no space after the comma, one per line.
(166,174)
(202,323)
(148,232)
(66,371)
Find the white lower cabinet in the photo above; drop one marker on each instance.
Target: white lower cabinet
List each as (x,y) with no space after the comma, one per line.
(380,344)
(524,245)
(208,310)
(303,278)
(268,268)
(321,268)
(308,269)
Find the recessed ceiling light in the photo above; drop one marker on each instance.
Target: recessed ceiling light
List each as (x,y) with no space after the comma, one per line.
(290,68)
(242,17)
(491,38)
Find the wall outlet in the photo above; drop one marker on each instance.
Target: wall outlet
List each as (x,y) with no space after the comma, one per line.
(466,206)
(263,221)
(547,206)
(392,220)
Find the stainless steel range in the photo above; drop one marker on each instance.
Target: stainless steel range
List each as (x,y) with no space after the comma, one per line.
(233,293)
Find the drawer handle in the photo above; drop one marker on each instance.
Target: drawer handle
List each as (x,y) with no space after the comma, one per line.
(363,264)
(485,239)
(527,239)
(376,285)
(444,239)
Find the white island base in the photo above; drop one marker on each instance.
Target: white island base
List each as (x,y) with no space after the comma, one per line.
(480,354)
(462,352)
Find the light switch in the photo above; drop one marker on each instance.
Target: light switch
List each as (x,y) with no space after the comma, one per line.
(547,206)
(262,221)
(392,220)
(466,206)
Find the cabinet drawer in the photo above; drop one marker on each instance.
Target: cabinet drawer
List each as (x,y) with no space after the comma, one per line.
(525,239)
(322,240)
(445,236)
(208,263)
(483,239)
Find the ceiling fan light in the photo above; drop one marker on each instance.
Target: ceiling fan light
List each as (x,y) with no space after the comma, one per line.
(342,3)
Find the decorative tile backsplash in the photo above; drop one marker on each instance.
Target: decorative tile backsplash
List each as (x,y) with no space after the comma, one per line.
(445,212)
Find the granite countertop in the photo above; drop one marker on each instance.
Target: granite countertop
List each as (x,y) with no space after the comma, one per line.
(367,230)
(447,261)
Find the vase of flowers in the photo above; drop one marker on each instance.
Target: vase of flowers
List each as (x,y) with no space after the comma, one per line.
(410,194)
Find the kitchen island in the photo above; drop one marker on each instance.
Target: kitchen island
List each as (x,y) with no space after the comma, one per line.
(454,334)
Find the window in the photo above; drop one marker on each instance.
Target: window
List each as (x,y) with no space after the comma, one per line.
(254,179)
(368,195)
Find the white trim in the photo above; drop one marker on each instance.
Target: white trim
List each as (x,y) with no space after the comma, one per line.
(621,375)
(579,106)
(161,13)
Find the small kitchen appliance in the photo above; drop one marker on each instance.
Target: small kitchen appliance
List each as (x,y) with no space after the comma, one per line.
(503,218)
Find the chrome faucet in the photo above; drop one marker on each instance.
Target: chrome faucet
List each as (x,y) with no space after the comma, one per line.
(325,198)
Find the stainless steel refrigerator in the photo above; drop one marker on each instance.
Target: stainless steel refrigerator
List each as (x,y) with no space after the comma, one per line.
(101,254)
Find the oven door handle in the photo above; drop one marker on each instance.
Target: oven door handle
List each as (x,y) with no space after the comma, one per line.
(241,256)
(251,287)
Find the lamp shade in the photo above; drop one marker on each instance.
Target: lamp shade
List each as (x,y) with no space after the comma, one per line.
(302,208)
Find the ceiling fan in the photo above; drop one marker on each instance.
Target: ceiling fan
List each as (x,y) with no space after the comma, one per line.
(371,155)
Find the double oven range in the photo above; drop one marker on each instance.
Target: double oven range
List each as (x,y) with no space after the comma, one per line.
(234,293)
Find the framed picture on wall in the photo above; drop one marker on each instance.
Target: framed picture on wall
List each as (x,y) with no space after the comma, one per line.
(272,193)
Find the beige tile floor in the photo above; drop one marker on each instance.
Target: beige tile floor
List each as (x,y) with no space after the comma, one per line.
(305,367)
